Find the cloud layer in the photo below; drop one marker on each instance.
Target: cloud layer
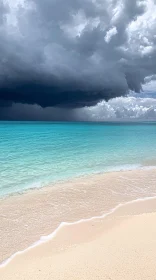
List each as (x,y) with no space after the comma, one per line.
(121,108)
(75,53)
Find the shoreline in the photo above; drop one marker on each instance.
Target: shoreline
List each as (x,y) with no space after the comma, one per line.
(81,190)
(46,239)
(121,243)
(55,184)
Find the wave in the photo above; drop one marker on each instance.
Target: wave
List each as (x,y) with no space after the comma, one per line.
(49,237)
(22,189)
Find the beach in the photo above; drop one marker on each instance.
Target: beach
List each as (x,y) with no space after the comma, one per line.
(88,225)
(78,140)
(119,246)
(64,191)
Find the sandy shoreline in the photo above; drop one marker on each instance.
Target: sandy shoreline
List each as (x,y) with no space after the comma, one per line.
(120,246)
(25,218)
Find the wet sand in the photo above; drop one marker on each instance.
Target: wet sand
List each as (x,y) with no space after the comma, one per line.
(120,246)
(27,217)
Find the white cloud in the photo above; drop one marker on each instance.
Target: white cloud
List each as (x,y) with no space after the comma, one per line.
(110,33)
(150,87)
(125,108)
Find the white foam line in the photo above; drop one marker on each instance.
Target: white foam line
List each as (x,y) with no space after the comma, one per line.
(45,239)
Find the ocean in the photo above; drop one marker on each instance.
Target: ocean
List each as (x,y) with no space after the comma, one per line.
(35,154)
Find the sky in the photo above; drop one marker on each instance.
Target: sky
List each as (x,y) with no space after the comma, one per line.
(77,60)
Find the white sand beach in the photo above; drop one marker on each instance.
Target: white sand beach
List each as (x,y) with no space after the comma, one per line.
(121,246)
(27,217)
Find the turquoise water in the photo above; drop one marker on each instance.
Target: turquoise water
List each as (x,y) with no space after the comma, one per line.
(33,154)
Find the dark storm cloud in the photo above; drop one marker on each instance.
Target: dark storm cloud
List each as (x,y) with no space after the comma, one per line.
(74,53)
(34,112)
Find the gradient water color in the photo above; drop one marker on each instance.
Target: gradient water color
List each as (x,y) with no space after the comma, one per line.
(34,154)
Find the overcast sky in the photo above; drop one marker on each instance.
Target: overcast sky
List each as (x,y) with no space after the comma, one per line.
(77,59)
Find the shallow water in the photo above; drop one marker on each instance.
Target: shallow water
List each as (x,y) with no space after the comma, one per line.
(34,154)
